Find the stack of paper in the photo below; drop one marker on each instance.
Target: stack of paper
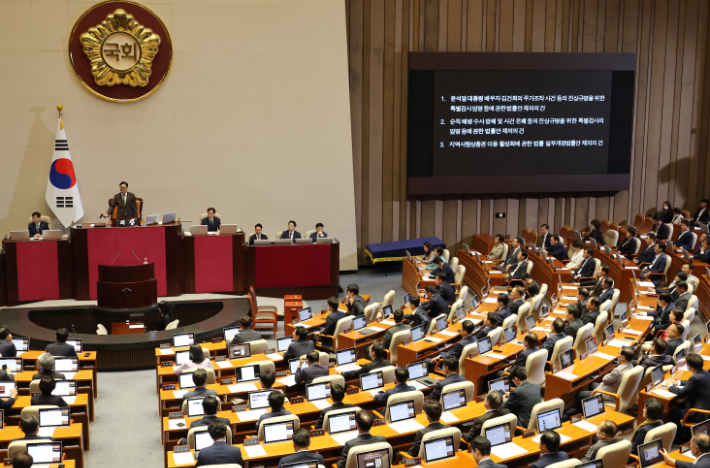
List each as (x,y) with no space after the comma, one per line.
(495,355)
(663,393)
(563,438)
(70,400)
(448,333)
(619,343)
(566,375)
(179,393)
(344,437)
(608,357)
(289,381)
(250,415)
(408,425)
(224,364)
(347,368)
(183,458)
(433,339)
(275,357)
(448,416)
(166,352)
(322,404)
(376,328)
(242,388)
(509,450)
(46,431)
(420,386)
(587,426)
(254,451)
(388,322)
(491,300)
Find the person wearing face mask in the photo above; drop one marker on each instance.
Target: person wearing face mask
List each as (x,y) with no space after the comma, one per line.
(667,213)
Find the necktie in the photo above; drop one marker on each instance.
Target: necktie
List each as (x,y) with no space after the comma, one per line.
(124,200)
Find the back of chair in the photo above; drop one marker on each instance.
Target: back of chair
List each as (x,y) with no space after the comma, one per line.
(460,274)
(183,408)
(449,431)
(536,306)
(173,325)
(695,240)
(494,335)
(543,290)
(638,224)
(597,264)
(21,445)
(604,225)
(668,265)
(387,374)
(389,298)
(646,379)
(600,325)
(454,263)
(415,395)
(337,412)
(447,255)
(323,358)
(34,387)
(371,312)
(615,454)
(648,224)
(614,303)
(570,463)
(684,346)
(509,418)
(530,267)
(535,366)
(101,330)
(637,241)
(258,347)
(210,374)
(582,334)
(544,406)
(468,349)
(308,233)
(628,394)
(670,230)
(666,433)
(690,312)
(454,307)
(463,296)
(264,365)
(611,237)
(351,461)
(686,329)
(532,238)
(506,249)
(288,417)
(508,321)
(397,339)
(334,379)
(432,324)
(467,386)
(523,312)
(34,410)
(343,324)
(561,346)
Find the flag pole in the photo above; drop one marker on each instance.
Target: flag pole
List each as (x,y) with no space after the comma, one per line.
(61,122)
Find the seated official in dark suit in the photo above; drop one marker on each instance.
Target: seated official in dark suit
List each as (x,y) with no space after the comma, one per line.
(60,347)
(702,216)
(314,369)
(557,249)
(660,229)
(697,391)
(442,267)
(592,311)
(606,435)
(492,403)
(699,448)
(257,234)
(46,386)
(165,316)
(628,245)
(683,296)
(29,425)
(221,452)
(7,347)
(451,369)
(209,405)
(377,356)
(511,261)
(398,327)
(607,290)
(291,233)
(648,252)
(481,451)
(331,321)
(596,232)
(516,299)
(300,345)
(652,413)
(199,377)
(444,289)
(685,238)
(211,221)
(246,334)
(320,233)
(586,269)
(520,269)
(602,271)
(276,402)
(704,253)
(337,393)
(503,309)
(582,298)
(301,441)
(545,236)
(656,355)
(354,301)
(419,317)
(364,424)
(532,288)
(46,367)
(574,323)
(530,343)
(490,324)
(433,411)
(663,310)
(521,399)
(37,226)
(436,304)
(675,331)
(401,375)
(125,201)
(558,332)
(467,338)
(549,448)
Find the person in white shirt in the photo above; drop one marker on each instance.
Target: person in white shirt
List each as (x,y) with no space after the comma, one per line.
(291,233)
(577,256)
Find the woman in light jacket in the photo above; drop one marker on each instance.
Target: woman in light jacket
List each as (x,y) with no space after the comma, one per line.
(197,359)
(429,253)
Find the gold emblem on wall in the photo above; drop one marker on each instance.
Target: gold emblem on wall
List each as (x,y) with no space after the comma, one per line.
(121,50)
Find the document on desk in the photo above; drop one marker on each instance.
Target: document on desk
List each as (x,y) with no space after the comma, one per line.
(491,300)
(274,356)
(322,404)
(566,375)
(574,288)
(183,458)
(705,358)
(420,386)
(509,450)
(175,424)
(304,325)
(70,400)
(251,415)
(563,438)
(495,356)
(289,381)
(608,357)
(242,388)
(646,284)
(663,393)
(377,329)
(629,331)
(448,333)
(540,329)
(347,368)
(224,364)
(408,425)
(136,326)
(387,322)
(46,431)
(619,343)
(344,437)
(644,317)
(166,352)
(448,416)
(179,393)
(254,451)
(433,339)
(70,375)
(587,426)
(631,267)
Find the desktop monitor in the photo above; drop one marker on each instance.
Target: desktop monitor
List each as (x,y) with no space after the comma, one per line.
(499,434)
(417,333)
(591,344)
(247,373)
(305,314)
(54,417)
(650,453)
(202,440)
(342,422)
(417,370)
(484,292)
(282,343)
(278,432)
(680,357)
(609,332)
(318,391)
(460,313)
(374,459)
(405,298)
(293,365)
(593,406)
(239,351)
(181,357)
(439,449)
(502,385)
(402,411)
(13,364)
(65,388)
(549,420)
(509,333)
(657,375)
(21,344)
(359,322)
(372,381)
(346,356)
(387,312)
(260,399)
(185,380)
(45,452)
(76,343)
(441,323)
(566,358)
(183,339)
(66,364)
(475,302)
(230,333)
(592,464)
(701,427)
(484,345)
(6,388)
(453,400)
(194,407)
(530,322)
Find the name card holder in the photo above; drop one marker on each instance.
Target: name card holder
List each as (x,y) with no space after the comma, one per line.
(295,400)
(270,351)
(317,432)
(166,364)
(175,416)
(331,365)
(165,346)
(251,441)
(379,422)
(216,340)
(170,387)
(528,433)
(239,408)
(181,449)
(228,381)
(220,358)
(412,461)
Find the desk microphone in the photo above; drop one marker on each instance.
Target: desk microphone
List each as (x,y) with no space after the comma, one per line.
(136,256)
(119,253)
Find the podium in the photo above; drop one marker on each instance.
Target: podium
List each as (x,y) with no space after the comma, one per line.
(126,286)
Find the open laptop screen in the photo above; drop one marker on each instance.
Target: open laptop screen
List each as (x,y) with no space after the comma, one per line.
(417,369)
(386,311)
(305,464)
(293,365)
(66,364)
(593,406)
(186,381)
(609,332)
(530,322)
(21,344)
(566,358)
(439,449)
(65,388)
(374,459)
(181,357)
(549,420)
(509,334)
(318,391)
(184,339)
(305,314)
(54,417)
(453,400)
(592,464)
(417,333)
(240,351)
(502,385)
(657,375)
(259,399)
(45,452)
(460,313)
(359,322)
(202,440)
(278,432)
(441,323)
(371,381)
(13,364)
(402,411)
(346,356)
(77,344)
(650,453)
(194,407)
(6,388)
(701,427)
(484,345)
(499,434)
(230,333)
(247,373)
(342,422)
(405,298)
(591,344)
(283,343)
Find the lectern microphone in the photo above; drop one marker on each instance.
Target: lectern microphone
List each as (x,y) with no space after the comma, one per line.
(119,253)
(136,256)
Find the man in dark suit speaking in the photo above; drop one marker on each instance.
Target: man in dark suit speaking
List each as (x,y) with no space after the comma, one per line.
(126,202)
(211,221)
(37,226)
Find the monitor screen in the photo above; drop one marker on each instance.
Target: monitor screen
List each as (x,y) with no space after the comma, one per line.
(591,346)
(54,417)
(592,464)
(405,298)
(566,358)
(359,322)
(549,420)
(342,422)
(475,302)
(609,332)
(402,411)
(260,399)
(650,453)
(707,326)
(346,356)
(305,314)
(374,459)
(185,380)
(484,345)
(278,432)
(247,373)
(181,357)
(282,344)
(21,344)
(13,364)
(417,369)
(453,400)
(387,311)
(593,406)
(239,351)
(460,313)
(202,440)
(230,333)
(499,434)
(510,334)
(66,364)
(624,317)
(372,380)
(65,388)
(194,407)
(293,365)
(439,449)
(502,385)
(530,322)
(657,375)
(184,339)
(441,323)
(76,343)
(697,340)
(318,391)
(6,388)
(45,452)
(701,427)
(417,333)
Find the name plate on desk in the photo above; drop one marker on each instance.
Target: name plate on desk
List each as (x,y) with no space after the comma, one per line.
(270,351)
(528,433)
(169,387)
(412,461)
(8,462)
(295,400)
(317,432)
(406,342)
(164,345)
(181,449)
(127,222)
(473,354)
(379,422)
(331,365)
(227,381)
(575,418)
(220,358)
(236,409)
(583,356)
(649,387)
(352,391)
(481,398)
(281,374)
(251,441)
(166,364)
(175,416)
(216,340)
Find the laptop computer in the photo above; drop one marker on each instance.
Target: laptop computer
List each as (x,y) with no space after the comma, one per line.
(283,343)
(701,427)
(609,332)
(19,235)
(549,420)
(359,324)
(345,356)
(181,357)
(229,333)
(405,298)
(194,407)
(185,380)
(387,312)
(77,343)
(475,302)
(51,235)
(419,371)
(680,358)
(409,256)
(697,342)
(453,400)
(593,406)
(441,323)
(529,322)
(228,229)
(342,422)
(502,385)
(54,417)
(484,346)
(650,453)
(509,334)
(45,453)
(64,388)
(152,219)
(402,411)
(239,351)
(499,434)
(318,391)
(657,374)
(183,339)
(259,399)
(591,344)
(247,373)
(198,230)
(6,388)
(417,333)
(13,364)
(278,432)
(169,217)
(466,249)
(21,344)
(66,364)
(566,359)
(305,314)
(325,240)
(439,449)
(372,381)
(293,365)
(373,459)
(202,440)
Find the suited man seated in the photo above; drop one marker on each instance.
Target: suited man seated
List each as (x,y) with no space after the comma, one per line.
(672,288)
(606,435)
(291,233)
(532,288)
(530,346)
(451,369)
(300,345)
(210,405)
(586,269)
(656,356)
(607,290)
(432,410)
(696,390)
(511,260)
(702,216)
(314,369)
(582,298)
(398,327)
(558,333)
(683,296)
(652,414)
(221,452)
(46,367)
(516,299)
(364,424)
(419,317)
(592,311)
(257,234)
(29,425)
(685,238)
(658,265)
(549,448)
(7,347)
(662,313)
(521,399)
(648,252)
(444,289)
(301,441)
(47,385)
(545,236)
(125,201)
(199,377)
(60,347)
(320,233)
(276,403)
(660,230)
(492,403)
(331,321)
(246,334)
(37,226)
(489,324)
(436,305)
(704,254)
(574,322)
(337,393)
(211,221)
(699,448)
(401,375)
(378,360)
(675,331)
(503,309)
(467,338)
(481,451)
(442,266)
(354,302)
(557,249)
(520,269)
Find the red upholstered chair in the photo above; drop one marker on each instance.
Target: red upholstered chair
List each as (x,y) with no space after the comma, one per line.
(139,204)
(263,317)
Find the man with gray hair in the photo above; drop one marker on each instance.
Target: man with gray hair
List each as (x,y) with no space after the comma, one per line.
(46,367)
(606,433)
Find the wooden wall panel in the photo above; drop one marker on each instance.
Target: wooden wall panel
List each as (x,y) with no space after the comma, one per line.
(672,107)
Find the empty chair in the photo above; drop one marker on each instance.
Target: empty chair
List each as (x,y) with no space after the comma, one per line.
(611,237)
(397,339)
(599,325)
(454,263)
(389,298)
(372,312)
(460,273)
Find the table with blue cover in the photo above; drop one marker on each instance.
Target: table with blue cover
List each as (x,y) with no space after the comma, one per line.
(396,251)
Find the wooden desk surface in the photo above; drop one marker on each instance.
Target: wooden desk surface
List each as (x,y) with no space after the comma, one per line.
(33,355)
(165,371)
(10,433)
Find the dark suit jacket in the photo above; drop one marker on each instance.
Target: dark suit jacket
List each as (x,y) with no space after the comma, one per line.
(546,241)
(558,251)
(672,346)
(164,321)
(646,255)
(653,360)
(296,235)
(661,232)
(362,439)
(271,414)
(483,333)
(214,226)
(391,332)
(512,259)
(640,435)
(451,378)
(478,423)
(245,336)
(435,307)
(302,457)
(446,291)
(697,389)
(517,272)
(573,328)
(515,305)
(522,400)
(314,236)
(336,406)
(32,227)
(33,437)
(503,313)
(419,317)
(61,349)
(549,459)
(704,257)
(220,453)
(435,426)
(550,342)
(591,317)
(311,372)
(446,268)
(682,301)
(702,462)
(522,357)
(370,366)
(684,240)
(206,420)
(54,375)
(357,306)
(606,295)
(330,322)
(586,269)
(488,463)
(704,218)
(658,266)
(628,246)
(7,349)
(381,398)
(129,210)
(597,236)
(252,238)
(199,392)
(48,400)
(458,348)
(298,348)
